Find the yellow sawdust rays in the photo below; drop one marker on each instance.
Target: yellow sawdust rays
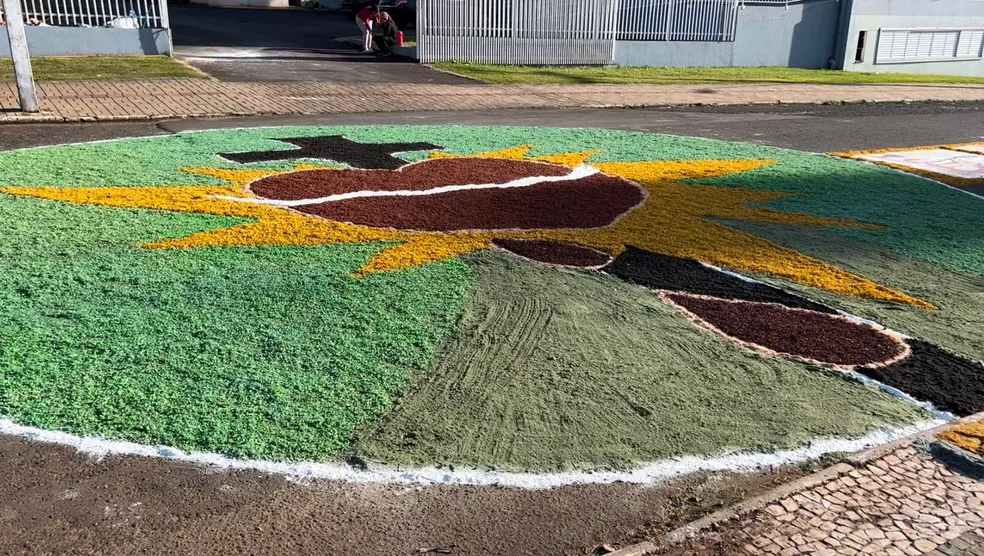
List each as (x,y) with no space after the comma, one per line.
(676,219)
(970,437)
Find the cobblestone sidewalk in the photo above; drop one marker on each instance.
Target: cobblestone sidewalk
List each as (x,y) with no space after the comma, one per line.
(174,98)
(904,503)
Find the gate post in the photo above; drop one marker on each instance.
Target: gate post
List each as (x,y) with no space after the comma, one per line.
(20,55)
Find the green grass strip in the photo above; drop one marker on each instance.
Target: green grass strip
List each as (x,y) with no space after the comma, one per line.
(89,68)
(565,75)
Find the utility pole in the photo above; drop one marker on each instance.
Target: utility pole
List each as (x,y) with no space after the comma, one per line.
(22,59)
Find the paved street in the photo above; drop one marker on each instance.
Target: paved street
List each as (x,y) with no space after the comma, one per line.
(812,128)
(285,45)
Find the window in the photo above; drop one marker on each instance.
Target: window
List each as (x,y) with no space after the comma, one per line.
(859,53)
(920,45)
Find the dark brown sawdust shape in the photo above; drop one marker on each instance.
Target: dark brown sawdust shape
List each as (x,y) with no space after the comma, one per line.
(591,202)
(338,149)
(950,382)
(664,272)
(807,334)
(552,252)
(429,174)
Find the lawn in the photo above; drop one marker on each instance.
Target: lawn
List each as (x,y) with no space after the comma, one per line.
(666,76)
(101,67)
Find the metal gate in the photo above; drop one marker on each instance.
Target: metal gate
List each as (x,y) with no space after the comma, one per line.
(150,14)
(534,32)
(678,20)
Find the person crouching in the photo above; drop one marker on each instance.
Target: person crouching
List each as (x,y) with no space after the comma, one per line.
(364,20)
(387,37)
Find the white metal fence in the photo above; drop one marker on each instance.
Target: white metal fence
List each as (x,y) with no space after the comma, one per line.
(96,13)
(562,31)
(677,20)
(517,31)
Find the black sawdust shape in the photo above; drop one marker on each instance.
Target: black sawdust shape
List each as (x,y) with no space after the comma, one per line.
(368,156)
(951,382)
(665,272)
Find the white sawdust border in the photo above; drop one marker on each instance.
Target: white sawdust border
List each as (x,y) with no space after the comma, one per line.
(306,471)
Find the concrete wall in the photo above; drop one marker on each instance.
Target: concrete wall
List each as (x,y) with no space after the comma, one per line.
(802,36)
(90,41)
(872,15)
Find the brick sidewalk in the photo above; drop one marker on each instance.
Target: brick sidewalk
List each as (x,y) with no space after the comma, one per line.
(179,98)
(903,504)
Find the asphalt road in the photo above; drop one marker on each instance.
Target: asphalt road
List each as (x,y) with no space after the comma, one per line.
(285,45)
(54,500)
(825,128)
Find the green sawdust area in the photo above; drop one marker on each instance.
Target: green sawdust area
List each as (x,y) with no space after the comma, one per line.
(118,343)
(927,221)
(958,296)
(554,369)
(273,353)
(88,68)
(563,75)
(904,203)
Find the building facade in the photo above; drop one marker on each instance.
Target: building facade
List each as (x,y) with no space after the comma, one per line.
(912,36)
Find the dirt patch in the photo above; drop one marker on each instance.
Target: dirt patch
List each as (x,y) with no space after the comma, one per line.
(952,383)
(814,336)
(590,202)
(552,252)
(664,272)
(314,184)
(54,500)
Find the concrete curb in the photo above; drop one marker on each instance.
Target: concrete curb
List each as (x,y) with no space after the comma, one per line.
(44,117)
(745,507)
(748,506)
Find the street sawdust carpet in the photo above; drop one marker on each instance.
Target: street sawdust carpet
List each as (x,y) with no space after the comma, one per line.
(952,383)
(969,437)
(470,296)
(811,335)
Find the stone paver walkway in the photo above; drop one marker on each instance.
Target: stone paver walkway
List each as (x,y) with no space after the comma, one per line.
(904,503)
(173,98)
(968,544)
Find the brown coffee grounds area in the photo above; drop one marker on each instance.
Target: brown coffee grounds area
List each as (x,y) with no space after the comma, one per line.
(807,334)
(552,252)
(429,174)
(590,202)
(950,382)
(665,272)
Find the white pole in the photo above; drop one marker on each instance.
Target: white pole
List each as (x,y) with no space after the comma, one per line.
(22,59)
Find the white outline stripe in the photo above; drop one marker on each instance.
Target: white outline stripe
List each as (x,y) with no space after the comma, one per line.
(580,172)
(302,471)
